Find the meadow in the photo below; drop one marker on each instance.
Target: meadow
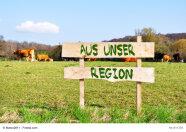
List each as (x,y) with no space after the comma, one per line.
(36,92)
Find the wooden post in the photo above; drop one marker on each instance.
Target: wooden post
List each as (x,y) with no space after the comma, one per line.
(81,81)
(138,85)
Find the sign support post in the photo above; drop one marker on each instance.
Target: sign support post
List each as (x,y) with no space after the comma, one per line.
(81,86)
(138,85)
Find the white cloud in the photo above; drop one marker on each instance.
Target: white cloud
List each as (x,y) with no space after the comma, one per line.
(40,27)
(1,20)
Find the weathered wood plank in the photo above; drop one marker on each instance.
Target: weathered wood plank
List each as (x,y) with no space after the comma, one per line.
(108,49)
(112,74)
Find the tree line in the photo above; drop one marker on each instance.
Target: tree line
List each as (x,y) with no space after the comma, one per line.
(169,44)
(7,48)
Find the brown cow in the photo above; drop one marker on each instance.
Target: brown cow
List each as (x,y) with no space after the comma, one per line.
(91,59)
(34,59)
(28,53)
(43,58)
(129,59)
(49,59)
(166,58)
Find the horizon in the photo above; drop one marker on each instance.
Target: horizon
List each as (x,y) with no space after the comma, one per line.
(60,43)
(54,22)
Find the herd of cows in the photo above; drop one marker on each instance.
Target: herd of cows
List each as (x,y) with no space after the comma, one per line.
(163,57)
(30,56)
(158,57)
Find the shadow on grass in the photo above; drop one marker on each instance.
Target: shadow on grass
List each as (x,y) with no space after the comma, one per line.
(49,108)
(97,105)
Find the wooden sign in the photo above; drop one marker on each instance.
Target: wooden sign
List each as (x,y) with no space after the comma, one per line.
(112,74)
(108,50)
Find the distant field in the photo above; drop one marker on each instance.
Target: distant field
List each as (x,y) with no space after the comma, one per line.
(37,92)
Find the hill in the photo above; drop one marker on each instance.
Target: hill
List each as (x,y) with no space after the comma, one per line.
(176,36)
(171,36)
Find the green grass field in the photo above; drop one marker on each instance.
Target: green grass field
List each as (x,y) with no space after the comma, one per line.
(37,93)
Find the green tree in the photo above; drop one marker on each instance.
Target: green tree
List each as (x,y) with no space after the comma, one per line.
(180,47)
(162,44)
(56,53)
(148,34)
(133,39)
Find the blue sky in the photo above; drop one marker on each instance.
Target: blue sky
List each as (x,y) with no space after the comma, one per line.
(54,21)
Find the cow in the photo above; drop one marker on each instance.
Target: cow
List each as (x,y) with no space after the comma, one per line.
(166,58)
(129,59)
(28,53)
(91,59)
(177,57)
(43,58)
(35,60)
(49,59)
(31,59)
(159,56)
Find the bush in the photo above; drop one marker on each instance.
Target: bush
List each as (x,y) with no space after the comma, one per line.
(55,53)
